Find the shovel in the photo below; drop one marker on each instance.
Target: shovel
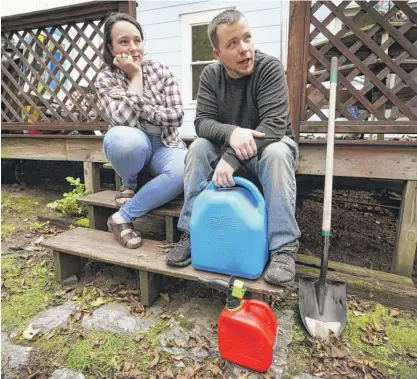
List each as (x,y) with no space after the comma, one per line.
(322,302)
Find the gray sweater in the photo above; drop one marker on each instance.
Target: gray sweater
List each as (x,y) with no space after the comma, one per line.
(258,101)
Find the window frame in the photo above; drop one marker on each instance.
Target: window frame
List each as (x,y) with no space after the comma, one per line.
(188,20)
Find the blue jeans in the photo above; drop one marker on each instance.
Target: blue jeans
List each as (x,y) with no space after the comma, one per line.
(275,169)
(129,150)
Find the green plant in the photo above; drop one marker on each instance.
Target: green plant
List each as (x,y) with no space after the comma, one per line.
(38,225)
(68,205)
(85,222)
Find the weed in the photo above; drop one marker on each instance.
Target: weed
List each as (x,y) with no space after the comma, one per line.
(69,205)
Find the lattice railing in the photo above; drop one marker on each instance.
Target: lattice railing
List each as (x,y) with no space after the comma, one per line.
(49,66)
(377,51)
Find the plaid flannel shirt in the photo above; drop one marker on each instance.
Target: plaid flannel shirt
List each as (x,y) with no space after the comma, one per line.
(163,108)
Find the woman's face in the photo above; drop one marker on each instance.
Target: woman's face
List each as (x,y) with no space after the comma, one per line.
(126,39)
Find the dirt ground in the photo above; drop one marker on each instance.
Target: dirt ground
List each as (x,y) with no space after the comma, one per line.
(378,343)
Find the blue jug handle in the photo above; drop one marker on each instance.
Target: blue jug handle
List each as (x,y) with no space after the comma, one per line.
(242,182)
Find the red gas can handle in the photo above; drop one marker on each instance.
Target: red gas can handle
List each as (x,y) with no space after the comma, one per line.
(267,312)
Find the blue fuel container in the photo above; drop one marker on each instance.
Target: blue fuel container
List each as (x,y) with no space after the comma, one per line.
(229,230)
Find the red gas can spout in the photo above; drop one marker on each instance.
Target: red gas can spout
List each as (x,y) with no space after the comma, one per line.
(234,289)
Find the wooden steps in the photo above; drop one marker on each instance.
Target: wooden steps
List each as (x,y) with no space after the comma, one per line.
(159,221)
(106,199)
(72,248)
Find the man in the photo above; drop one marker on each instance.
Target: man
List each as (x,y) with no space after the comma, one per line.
(243,121)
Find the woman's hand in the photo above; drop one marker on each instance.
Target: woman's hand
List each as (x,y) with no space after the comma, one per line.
(125,63)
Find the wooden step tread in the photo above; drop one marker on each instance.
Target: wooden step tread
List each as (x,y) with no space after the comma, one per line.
(389,289)
(106,199)
(101,246)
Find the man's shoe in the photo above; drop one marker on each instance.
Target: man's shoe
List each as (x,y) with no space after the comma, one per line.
(281,269)
(180,255)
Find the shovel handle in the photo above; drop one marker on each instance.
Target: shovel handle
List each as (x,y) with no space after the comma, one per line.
(328,181)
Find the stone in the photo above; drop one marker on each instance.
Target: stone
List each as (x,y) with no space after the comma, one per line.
(53,317)
(115,318)
(71,281)
(13,356)
(64,373)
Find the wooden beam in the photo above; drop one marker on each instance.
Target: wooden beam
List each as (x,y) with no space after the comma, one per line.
(363,161)
(128,7)
(66,265)
(376,127)
(85,150)
(92,10)
(92,177)
(151,285)
(405,248)
(18,126)
(33,148)
(298,41)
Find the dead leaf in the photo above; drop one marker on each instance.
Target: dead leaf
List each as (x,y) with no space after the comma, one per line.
(165,296)
(168,374)
(155,360)
(100,301)
(394,312)
(165,316)
(336,352)
(127,366)
(77,315)
(4,292)
(357,313)
(139,337)
(30,333)
(39,240)
(136,308)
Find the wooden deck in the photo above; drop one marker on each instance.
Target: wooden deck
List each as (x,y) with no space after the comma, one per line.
(352,158)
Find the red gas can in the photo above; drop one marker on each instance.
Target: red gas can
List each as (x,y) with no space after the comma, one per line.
(246,328)
(247,335)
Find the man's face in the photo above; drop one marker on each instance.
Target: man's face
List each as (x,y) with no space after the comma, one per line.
(235,48)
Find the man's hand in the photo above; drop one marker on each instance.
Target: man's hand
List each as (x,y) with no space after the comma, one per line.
(243,143)
(223,174)
(125,63)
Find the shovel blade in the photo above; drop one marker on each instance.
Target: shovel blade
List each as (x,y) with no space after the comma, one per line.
(323,310)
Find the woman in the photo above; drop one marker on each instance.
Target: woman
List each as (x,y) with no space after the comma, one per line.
(143,102)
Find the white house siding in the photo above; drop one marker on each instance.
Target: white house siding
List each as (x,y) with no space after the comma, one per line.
(161,21)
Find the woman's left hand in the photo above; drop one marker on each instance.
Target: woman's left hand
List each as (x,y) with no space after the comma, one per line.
(125,63)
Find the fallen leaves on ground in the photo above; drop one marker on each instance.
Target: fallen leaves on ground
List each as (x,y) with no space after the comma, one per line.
(330,360)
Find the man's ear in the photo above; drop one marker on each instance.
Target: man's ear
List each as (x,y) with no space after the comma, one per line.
(216,54)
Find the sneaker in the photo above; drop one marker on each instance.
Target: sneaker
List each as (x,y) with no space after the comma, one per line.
(281,269)
(180,255)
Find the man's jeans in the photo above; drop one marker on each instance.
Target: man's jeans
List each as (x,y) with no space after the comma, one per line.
(275,169)
(129,150)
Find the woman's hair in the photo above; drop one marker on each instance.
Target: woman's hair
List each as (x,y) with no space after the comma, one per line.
(108,25)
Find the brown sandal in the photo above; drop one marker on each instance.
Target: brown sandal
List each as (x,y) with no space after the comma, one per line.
(117,230)
(124,195)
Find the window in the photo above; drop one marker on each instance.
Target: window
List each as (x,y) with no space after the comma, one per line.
(197,52)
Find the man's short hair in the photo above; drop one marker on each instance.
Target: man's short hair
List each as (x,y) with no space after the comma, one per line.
(229,16)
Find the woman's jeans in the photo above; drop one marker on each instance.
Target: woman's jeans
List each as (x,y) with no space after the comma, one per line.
(129,150)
